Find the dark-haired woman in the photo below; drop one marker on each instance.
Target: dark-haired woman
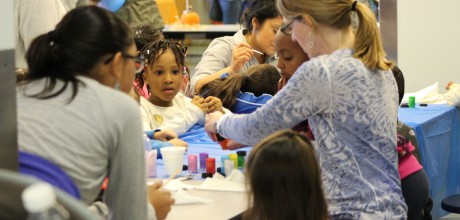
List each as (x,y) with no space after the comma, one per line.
(70,112)
(233,54)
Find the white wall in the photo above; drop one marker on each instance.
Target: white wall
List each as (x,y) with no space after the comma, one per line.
(6,25)
(429,42)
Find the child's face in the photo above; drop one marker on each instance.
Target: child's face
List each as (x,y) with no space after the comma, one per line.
(290,55)
(164,78)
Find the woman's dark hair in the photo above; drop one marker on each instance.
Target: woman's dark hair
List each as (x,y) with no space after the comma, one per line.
(284,179)
(399,77)
(80,40)
(145,33)
(153,50)
(261,10)
(259,79)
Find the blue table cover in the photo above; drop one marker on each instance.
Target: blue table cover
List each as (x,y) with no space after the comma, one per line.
(437,131)
(198,142)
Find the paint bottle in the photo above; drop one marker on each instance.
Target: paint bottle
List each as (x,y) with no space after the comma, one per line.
(211,165)
(192,163)
(234,158)
(203,157)
(241,158)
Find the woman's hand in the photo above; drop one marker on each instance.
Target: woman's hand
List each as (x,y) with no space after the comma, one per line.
(233,145)
(160,199)
(165,135)
(240,55)
(214,104)
(209,126)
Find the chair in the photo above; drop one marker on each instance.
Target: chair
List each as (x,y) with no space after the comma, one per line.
(451,203)
(13,183)
(47,171)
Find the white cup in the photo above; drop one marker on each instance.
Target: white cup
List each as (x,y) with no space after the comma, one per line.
(173,159)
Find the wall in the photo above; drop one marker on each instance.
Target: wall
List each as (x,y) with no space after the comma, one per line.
(429,42)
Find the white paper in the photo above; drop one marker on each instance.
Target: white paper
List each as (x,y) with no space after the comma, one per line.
(233,183)
(176,184)
(183,198)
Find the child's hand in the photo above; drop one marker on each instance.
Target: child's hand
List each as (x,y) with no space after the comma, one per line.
(214,104)
(178,143)
(200,103)
(165,135)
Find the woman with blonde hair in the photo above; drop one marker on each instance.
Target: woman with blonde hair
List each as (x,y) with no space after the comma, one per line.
(349,96)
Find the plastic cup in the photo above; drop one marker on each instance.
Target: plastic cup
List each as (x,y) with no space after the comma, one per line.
(151,159)
(173,159)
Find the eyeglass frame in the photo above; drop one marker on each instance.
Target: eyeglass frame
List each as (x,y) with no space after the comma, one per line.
(287,29)
(139,60)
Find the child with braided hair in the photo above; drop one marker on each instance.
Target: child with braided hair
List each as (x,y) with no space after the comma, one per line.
(167,108)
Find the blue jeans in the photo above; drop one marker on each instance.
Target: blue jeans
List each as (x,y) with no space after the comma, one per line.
(231,11)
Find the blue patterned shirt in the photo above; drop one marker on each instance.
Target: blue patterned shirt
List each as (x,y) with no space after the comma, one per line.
(353,113)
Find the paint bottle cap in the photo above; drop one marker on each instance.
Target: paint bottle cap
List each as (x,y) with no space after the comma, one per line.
(206,175)
(241,153)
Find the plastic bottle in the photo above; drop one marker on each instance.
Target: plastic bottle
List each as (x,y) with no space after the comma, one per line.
(40,202)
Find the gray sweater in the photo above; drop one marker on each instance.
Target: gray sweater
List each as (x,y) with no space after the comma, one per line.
(98,134)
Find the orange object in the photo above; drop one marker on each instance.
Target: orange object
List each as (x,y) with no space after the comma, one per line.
(190,17)
(168,10)
(222,141)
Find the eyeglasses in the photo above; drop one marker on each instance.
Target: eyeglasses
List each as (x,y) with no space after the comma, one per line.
(139,60)
(287,29)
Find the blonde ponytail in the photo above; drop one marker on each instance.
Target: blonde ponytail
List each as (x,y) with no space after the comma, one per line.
(368,44)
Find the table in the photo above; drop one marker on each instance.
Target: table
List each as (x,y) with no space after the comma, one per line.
(202,31)
(438,135)
(226,205)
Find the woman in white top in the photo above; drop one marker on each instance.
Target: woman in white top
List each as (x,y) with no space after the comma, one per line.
(233,54)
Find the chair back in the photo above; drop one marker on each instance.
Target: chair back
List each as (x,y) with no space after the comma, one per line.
(11,186)
(47,171)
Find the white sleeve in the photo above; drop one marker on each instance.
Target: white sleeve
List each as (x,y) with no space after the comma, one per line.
(145,116)
(181,124)
(216,57)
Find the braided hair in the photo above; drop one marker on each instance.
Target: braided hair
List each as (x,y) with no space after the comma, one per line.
(153,50)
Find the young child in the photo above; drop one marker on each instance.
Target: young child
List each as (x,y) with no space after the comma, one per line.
(244,93)
(284,179)
(143,34)
(414,181)
(167,108)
